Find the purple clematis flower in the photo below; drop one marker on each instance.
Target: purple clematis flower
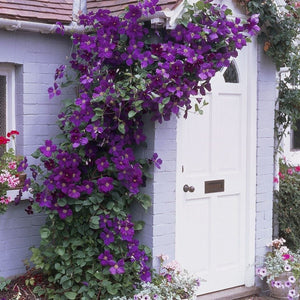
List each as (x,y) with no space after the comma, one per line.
(102,163)
(105,184)
(48,149)
(105,258)
(23,165)
(107,237)
(54,91)
(117,267)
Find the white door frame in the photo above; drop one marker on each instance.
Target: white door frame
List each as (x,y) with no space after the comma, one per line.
(250,165)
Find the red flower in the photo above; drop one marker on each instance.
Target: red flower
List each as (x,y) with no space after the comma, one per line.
(3,140)
(13,132)
(297,169)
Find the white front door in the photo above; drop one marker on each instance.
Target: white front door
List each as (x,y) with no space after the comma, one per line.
(214,153)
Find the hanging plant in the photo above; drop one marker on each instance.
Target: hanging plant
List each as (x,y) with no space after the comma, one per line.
(86,183)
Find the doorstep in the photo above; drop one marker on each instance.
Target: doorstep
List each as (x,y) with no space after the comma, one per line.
(231,294)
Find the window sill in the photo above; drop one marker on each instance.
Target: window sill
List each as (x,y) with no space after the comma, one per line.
(13,193)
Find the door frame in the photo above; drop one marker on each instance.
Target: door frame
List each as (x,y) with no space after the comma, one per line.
(249,278)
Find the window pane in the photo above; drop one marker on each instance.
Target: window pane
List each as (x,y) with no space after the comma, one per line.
(296,136)
(2,109)
(231,75)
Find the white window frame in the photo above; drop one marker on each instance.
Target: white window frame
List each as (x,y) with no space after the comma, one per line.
(292,155)
(8,71)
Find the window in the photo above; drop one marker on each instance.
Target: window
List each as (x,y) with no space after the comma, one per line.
(231,74)
(7,100)
(296,137)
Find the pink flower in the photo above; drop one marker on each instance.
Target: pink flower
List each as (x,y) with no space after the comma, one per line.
(287,257)
(12,165)
(290,171)
(5,200)
(275,180)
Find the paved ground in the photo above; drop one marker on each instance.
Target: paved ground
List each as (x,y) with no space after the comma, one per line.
(257,298)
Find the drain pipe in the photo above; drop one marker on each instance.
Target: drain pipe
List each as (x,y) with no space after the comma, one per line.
(160,19)
(14,25)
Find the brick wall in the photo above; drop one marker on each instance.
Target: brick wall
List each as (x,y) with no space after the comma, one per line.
(267,95)
(35,57)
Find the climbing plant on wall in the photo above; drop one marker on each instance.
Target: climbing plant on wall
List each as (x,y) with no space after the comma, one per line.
(89,176)
(280,31)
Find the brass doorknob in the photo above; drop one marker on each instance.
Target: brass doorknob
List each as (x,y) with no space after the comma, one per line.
(187,188)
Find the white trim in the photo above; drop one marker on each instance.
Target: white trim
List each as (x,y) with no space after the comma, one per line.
(251,164)
(14,193)
(8,71)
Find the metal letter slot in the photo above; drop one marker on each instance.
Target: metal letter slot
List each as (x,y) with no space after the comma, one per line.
(214,186)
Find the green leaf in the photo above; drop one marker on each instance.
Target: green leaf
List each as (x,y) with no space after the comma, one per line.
(200,5)
(94,222)
(112,289)
(60,250)
(161,107)
(36,154)
(45,232)
(110,205)
(61,202)
(70,295)
(228,12)
(131,114)
(121,128)
(139,225)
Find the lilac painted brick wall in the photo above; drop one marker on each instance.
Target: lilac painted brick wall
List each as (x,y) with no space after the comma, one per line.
(267,94)
(35,57)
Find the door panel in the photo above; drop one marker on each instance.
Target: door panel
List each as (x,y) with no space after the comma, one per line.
(210,232)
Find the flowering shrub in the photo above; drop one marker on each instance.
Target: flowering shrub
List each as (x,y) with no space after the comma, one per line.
(171,282)
(9,170)
(278,261)
(87,182)
(287,204)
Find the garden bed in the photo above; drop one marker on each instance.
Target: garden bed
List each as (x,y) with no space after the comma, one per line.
(21,287)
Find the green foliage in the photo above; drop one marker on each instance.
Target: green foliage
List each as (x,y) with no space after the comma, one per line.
(280,38)
(287,205)
(4,283)
(69,251)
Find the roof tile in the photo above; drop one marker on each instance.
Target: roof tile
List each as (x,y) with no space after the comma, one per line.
(52,11)
(117,6)
(46,11)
